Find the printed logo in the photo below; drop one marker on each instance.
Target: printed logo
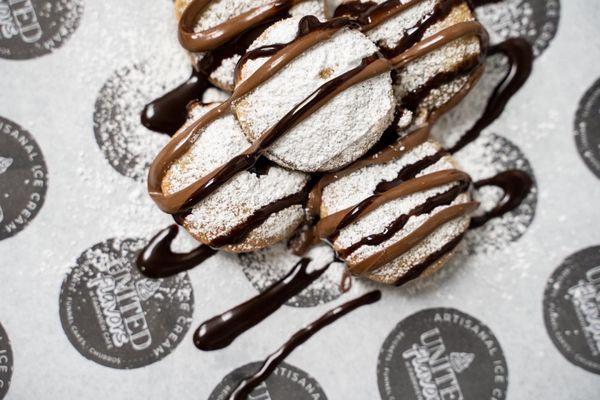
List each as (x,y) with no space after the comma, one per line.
(572,308)
(489,155)
(441,353)
(32,28)
(115,316)
(128,146)
(587,128)
(285,383)
(535,20)
(23,178)
(265,267)
(6,363)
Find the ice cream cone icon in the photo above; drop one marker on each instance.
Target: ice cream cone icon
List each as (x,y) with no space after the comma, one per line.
(461,361)
(5,162)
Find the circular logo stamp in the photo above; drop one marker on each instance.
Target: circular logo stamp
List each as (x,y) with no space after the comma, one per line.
(572,308)
(6,363)
(33,28)
(285,383)
(587,128)
(441,353)
(535,20)
(265,267)
(489,155)
(115,316)
(127,145)
(23,178)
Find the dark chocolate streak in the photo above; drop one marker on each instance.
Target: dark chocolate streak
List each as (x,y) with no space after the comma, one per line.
(259,52)
(246,386)
(418,270)
(520,58)
(306,25)
(480,3)
(406,173)
(516,185)
(438,200)
(354,8)
(239,233)
(410,171)
(168,113)
(220,331)
(364,12)
(416,33)
(157,260)
(413,99)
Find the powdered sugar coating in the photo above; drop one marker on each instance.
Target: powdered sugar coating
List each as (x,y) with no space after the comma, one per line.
(223,75)
(357,186)
(219,11)
(338,132)
(234,202)
(309,7)
(361,184)
(389,33)
(445,59)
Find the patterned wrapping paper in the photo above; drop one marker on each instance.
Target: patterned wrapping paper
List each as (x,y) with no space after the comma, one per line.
(516,315)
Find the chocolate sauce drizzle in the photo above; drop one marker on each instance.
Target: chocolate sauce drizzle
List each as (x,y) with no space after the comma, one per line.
(243,390)
(220,331)
(157,260)
(418,270)
(169,112)
(520,58)
(412,46)
(371,14)
(516,186)
(241,231)
(438,200)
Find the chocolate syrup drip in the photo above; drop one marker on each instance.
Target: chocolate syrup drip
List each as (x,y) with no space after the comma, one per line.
(354,8)
(306,25)
(353,214)
(413,99)
(238,46)
(259,52)
(157,260)
(364,13)
(410,171)
(415,34)
(405,174)
(168,113)
(438,200)
(261,167)
(220,331)
(246,386)
(480,3)
(418,270)
(241,231)
(520,58)
(516,186)
(246,160)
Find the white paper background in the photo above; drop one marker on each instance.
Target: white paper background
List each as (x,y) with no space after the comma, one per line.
(87,202)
